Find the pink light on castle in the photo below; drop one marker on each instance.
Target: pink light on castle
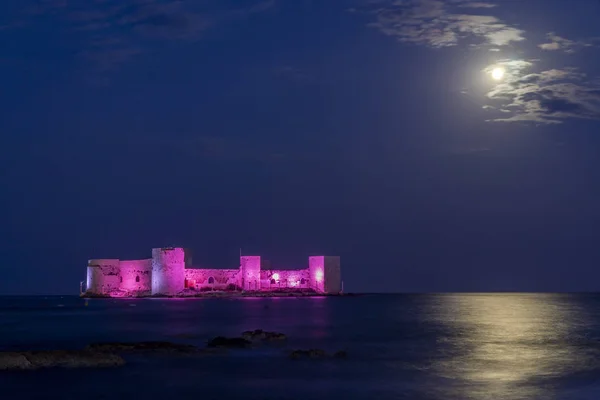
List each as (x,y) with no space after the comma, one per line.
(319,276)
(276,276)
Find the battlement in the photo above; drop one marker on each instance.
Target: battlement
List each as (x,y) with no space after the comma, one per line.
(169,273)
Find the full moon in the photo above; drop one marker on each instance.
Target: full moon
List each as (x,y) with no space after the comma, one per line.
(497,73)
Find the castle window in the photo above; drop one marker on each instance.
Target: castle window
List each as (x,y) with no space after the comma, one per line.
(211,280)
(137,278)
(303,281)
(273,281)
(121,279)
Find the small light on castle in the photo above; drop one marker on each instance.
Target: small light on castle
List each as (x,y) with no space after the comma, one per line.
(276,276)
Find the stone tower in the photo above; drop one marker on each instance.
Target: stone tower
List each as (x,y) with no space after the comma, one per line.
(250,272)
(102,276)
(325,274)
(168,270)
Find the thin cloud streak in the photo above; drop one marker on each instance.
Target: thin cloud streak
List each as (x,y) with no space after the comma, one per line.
(433,23)
(558,43)
(477,5)
(113,32)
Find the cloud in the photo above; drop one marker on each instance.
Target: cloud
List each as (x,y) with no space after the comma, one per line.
(433,23)
(477,5)
(113,32)
(547,97)
(560,43)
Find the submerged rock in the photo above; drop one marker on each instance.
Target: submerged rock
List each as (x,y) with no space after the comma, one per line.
(118,347)
(58,358)
(259,334)
(311,353)
(221,341)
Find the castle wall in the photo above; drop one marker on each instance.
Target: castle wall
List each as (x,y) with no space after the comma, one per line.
(221,278)
(250,272)
(103,276)
(325,274)
(168,271)
(136,276)
(284,278)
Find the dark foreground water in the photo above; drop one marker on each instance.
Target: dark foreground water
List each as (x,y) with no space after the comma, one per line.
(448,346)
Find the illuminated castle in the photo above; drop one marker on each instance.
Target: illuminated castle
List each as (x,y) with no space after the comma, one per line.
(169,272)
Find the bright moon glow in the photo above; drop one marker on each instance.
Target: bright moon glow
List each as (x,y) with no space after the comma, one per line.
(497,73)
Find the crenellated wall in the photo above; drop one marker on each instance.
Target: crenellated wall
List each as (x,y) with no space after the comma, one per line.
(168,270)
(217,279)
(284,278)
(136,276)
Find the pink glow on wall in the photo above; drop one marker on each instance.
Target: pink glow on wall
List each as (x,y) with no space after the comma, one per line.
(250,268)
(168,270)
(317,273)
(214,279)
(319,276)
(284,278)
(102,276)
(136,276)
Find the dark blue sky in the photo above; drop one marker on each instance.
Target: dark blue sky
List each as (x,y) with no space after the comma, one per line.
(372,130)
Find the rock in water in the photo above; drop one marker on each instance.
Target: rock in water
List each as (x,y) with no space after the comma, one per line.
(12,361)
(311,353)
(259,334)
(119,347)
(58,358)
(221,341)
(73,359)
(316,353)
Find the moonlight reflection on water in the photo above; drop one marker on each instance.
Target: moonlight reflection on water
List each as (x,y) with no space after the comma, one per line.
(510,346)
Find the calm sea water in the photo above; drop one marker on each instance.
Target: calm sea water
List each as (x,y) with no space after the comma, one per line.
(447,346)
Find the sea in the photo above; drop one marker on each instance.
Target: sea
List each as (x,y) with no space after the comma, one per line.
(406,346)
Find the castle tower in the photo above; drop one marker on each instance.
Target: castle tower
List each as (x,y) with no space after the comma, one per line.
(102,276)
(325,274)
(168,270)
(250,272)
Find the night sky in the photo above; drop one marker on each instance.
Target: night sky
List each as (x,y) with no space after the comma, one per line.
(373,130)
